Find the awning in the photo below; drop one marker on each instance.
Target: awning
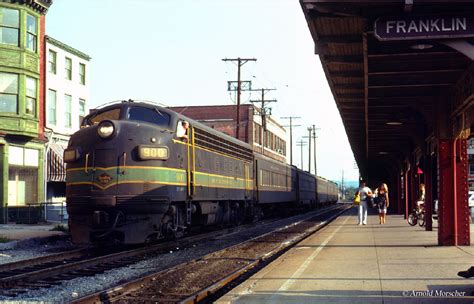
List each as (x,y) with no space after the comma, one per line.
(55,166)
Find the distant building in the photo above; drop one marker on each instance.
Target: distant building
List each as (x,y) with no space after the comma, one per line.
(271,142)
(22,28)
(67,97)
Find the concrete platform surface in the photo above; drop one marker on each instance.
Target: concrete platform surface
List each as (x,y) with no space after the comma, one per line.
(346,263)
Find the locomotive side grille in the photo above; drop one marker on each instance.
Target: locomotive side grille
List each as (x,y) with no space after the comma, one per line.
(213,142)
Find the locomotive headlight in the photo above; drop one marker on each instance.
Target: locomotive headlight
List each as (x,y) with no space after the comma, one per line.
(71,155)
(105,129)
(153,152)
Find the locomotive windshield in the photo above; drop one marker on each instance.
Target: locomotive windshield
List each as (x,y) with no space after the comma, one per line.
(150,115)
(153,116)
(94,119)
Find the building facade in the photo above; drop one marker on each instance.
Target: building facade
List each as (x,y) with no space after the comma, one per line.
(269,140)
(67,97)
(22,26)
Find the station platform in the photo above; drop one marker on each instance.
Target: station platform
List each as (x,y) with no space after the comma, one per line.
(347,263)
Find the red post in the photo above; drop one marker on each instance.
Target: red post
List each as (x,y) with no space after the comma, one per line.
(414,188)
(405,180)
(462,207)
(399,194)
(453,203)
(428,194)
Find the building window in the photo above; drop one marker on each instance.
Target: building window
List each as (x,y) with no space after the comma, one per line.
(31,32)
(68,110)
(82,73)
(257,134)
(8,93)
(9,26)
(68,68)
(30,107)
(52,62)
(52,97)
(82,110)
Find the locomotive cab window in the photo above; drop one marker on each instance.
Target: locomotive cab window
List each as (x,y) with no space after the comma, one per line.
(95,119)
(182,129)
(153,116)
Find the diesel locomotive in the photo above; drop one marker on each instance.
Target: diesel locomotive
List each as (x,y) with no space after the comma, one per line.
(138,172)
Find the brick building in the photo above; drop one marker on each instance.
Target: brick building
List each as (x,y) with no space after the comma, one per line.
(222,118)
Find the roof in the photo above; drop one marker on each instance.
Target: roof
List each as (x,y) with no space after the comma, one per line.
(219,112)
(41,6)
(387,92)
(67,48)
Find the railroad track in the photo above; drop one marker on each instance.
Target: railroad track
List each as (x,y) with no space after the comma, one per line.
(43,272)
(198,279)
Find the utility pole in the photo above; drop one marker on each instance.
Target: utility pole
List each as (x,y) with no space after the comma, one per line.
(301,143)
(291,134)
(263,113)
(314,136)
(240,62)
(343,196)
(310,130)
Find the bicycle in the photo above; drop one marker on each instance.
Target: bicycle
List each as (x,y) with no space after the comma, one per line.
(417,216)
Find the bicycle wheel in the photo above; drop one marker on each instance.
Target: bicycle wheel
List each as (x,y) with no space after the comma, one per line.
(412,219)
(421,219)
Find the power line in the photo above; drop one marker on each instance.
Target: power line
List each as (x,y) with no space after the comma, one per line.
(301,143)
(240,62)
(315,162)
(291,134)
(312,135)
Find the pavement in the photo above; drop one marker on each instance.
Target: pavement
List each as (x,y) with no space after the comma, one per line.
(11,235)
(346,263)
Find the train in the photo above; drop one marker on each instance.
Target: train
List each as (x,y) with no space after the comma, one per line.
(138,172)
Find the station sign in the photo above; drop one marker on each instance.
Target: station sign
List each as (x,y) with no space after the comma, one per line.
(424,27)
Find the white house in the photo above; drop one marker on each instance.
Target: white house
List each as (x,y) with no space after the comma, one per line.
(67,96)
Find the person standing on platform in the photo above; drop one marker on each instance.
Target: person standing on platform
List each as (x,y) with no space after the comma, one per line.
(382,202)
(364,193)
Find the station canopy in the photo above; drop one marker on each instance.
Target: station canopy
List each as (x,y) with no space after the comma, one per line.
(389,64)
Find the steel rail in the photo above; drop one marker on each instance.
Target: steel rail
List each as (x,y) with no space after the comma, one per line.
(43,260)
(118,293)
(206,292)
(30,275)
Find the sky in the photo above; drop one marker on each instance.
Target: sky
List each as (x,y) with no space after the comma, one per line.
(171,52)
